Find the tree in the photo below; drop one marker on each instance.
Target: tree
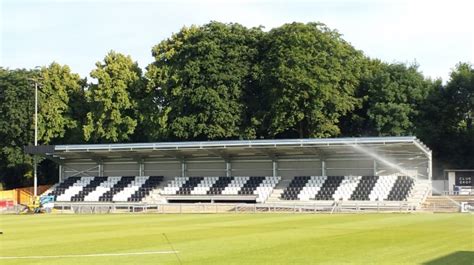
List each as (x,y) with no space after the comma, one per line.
(57,85)
(78,108)
(112,114)
(459,104)
(16,120)
(460,96)
(310,74)
(390,97)
(199,81)
(446,121)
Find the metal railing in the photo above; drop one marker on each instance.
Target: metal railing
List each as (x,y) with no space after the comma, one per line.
(177,208)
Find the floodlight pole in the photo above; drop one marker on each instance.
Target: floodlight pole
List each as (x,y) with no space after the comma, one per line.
(35,166)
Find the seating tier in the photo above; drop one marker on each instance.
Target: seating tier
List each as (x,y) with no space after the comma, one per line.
(345,188)
(301,188)
(105,189)
(261,186)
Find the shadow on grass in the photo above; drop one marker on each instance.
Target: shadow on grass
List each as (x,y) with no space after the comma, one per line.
(458,258)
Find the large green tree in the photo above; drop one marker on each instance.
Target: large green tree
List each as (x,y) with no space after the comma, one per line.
(390,95)
(16,120)
(310,74)
(200,80)
(446,123)
(460,98)
(112,116)
(57,86)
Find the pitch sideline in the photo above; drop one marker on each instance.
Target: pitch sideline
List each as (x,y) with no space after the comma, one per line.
(92,255)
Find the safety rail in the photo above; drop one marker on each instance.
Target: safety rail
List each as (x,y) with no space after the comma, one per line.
(324,207)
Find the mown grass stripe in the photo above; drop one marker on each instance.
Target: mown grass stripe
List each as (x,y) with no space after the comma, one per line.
(93,255)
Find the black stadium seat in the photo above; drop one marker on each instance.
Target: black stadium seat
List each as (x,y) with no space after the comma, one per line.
(363,189)
(328,188)
(401,189)
(220,185)
(124,181)
(296,185)
(150,184)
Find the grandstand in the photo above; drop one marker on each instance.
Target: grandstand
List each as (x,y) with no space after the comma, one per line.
(346,171)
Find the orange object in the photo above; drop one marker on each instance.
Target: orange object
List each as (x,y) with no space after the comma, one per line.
(22,195)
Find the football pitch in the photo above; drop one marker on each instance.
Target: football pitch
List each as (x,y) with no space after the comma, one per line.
(237,239)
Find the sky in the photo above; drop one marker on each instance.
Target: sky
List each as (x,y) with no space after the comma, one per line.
(436,35)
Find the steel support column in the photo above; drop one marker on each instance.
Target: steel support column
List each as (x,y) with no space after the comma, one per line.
(183,168)
(101,169)
(60,169)
(275,168)
(375,168)
(430,167)
(228,168)
(141,167)
(323,167)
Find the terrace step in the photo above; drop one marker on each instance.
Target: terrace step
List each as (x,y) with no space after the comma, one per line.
(445,203)
(155,195)
(278,190)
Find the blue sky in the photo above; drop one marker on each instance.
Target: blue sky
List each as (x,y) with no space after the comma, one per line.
(434,34)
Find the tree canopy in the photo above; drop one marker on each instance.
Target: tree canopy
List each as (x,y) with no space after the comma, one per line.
(227,81)
(16,115)
(310,75)
(446,120)
(57,84)
(199,78)
(112,111)
(390,97)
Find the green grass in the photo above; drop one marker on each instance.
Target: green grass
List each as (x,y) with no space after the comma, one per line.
(242,238)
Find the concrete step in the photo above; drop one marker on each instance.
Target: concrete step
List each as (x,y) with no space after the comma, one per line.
(155,195)
(444,203)
(278,190)
(449,199)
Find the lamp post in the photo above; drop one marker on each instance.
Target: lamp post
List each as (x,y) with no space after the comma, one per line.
(35,164)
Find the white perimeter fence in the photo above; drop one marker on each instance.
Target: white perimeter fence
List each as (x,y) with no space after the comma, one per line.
(177,208)
(173,208)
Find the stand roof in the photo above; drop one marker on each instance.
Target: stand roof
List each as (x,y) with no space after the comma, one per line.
(327,148)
